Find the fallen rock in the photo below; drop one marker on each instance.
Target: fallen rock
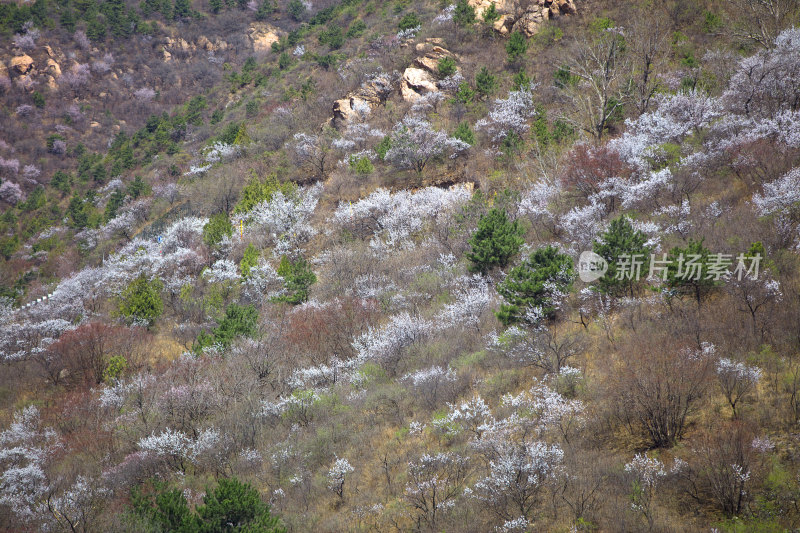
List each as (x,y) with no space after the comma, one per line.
(22,64)
(263,35)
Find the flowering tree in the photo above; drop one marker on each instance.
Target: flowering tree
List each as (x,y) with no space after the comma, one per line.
(736,380)
(517,475)
(509,115)
(337,476)
(646,473)
(435,481)
(414,143)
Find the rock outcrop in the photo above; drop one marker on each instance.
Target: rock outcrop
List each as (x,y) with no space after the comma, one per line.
(420,78)
(22,64)
(348,109)
(263,35)
(417,82)
(524,16)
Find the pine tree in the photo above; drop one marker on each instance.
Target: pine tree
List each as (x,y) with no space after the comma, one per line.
(485,82)
(621,242)
(535,285)
(495,242)
(516,46)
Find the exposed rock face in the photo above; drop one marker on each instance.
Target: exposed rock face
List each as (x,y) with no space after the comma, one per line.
(421,78)
(524,16)
(348,109)
(263,35)
(416,82)
(22,64)
(53,68)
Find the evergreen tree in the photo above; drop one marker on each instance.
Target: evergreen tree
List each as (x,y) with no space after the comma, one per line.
(464,14)
(249,260)
(535,285)
(464,133)
(622,246)
(182,9)
(495,242)
(216,229)
(298,277)
(141,300)
(115,201)
(485,82)
(516,46)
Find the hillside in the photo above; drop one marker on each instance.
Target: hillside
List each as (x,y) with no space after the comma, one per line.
(399,266)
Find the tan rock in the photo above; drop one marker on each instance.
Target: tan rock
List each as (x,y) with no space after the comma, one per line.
(53,68)
(51,83)
(22,64)
(523,15)
(94,124)
(415,83)
(3,70)
(263,35)
(428,44)
(345,110)
(48,50)
(167,56)
(204,43)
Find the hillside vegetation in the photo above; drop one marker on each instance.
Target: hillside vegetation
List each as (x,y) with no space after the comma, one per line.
(324,266)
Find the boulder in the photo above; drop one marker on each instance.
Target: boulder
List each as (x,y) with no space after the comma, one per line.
(51,83)
(415,83)
(167,56)
(22,64)
(263,35)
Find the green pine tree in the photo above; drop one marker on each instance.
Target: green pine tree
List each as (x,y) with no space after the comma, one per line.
(621,243)
(495,242)
(535,285)
(516,46)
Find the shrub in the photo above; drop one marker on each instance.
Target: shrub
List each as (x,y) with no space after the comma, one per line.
(141,300)
(115,368)
(257,191)
(495,242)
(332,36)
(38,99)
(249,260)
(361,165)
(490,14)
(356,29)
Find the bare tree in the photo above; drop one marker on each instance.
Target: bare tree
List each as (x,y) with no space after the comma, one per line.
(602,70)
(647,41)
(763,20)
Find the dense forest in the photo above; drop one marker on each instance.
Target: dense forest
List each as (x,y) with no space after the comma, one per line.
(362,265)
